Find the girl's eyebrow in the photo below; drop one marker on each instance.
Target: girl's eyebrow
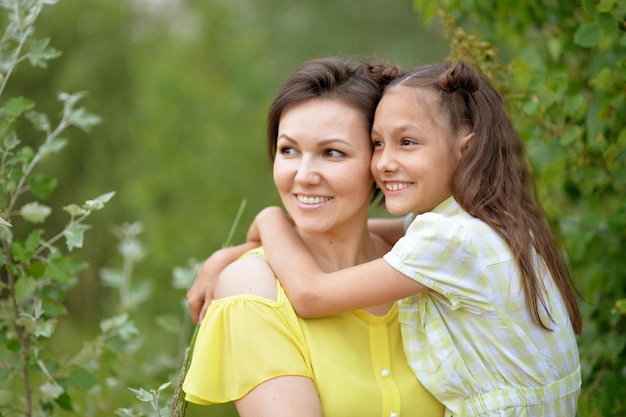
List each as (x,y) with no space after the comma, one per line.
(402,129)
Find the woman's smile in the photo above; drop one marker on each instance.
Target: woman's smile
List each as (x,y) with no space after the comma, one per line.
(312,200)
(322,165)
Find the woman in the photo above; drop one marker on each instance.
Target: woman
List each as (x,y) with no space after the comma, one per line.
(252,348)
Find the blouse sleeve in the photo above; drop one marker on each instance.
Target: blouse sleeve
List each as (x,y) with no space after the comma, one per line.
(440,253)
(242,342)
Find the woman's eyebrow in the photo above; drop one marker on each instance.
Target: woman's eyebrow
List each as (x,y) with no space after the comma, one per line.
(286,137)
(326,142)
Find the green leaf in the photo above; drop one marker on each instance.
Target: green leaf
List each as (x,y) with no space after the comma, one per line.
(51,390)
(113,323)
(42,186)
(11,141)
(555,48)
(44,328)
(131,249)
(53,308)
(35,212)
(39,120)
(142,395)
(4,223)
(605,6)
(169,323)
(74,234)
(17,105)
(575,106)
(607,23)
(588,35)
(82,379)
(34,240)
(63,270)
(98,202)
(603,81)
(83,119)
(40,52)
(590,7)
(19,253)
(65,402)
(24,286)
(38,269)
(111,277)
(74,210)
(24,155)
(54,146)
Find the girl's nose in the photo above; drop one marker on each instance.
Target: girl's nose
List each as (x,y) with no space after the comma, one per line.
(383,162)
(308,172)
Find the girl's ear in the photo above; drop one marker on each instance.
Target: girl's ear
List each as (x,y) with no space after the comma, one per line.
(464,143)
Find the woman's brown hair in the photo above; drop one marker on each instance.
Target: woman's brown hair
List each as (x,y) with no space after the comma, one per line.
(493,180)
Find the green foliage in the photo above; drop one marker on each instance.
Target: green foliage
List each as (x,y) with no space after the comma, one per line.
(37,274)
(562,69)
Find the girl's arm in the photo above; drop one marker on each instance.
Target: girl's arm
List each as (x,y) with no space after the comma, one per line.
(314,293)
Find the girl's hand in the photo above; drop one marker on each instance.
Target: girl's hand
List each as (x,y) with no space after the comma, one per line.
(201,292)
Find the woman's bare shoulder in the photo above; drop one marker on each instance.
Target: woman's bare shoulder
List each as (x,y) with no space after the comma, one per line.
(250,275)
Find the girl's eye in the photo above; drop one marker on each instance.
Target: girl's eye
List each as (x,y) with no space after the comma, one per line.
(407,141)
(286,150)
(377,143)
(334,153)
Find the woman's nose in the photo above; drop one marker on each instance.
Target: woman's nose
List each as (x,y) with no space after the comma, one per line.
(308,172)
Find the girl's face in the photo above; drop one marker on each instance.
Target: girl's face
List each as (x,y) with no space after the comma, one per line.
(413,158)
(322,165)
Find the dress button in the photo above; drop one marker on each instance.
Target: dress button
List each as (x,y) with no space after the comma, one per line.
(385,373)
(393,414)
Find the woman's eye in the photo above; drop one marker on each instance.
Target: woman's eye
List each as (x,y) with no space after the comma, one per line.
(334,153)
(287,150)
(377,143)
(407,141)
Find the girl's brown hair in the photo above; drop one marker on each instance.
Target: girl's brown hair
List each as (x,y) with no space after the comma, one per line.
(356,84)
(493,180)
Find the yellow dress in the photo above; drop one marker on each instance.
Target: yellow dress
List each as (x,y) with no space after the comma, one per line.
(355,359)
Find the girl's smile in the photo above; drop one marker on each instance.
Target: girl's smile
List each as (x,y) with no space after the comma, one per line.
(413,158)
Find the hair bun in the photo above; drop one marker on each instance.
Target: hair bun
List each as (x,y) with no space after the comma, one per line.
(385,73)
(460,77)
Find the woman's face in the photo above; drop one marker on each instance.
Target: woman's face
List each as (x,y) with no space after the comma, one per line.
(322,165)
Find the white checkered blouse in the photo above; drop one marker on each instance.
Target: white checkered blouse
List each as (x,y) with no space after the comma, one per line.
(470,339)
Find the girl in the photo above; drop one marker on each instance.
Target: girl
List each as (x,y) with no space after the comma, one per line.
(488,313)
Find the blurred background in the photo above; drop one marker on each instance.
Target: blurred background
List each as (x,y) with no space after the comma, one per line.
(183,88)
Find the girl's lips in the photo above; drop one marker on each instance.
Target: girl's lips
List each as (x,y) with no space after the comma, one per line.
(396,185)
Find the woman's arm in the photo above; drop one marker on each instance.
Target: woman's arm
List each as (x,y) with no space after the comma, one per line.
(314,293)
(390,230)
(285,396)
